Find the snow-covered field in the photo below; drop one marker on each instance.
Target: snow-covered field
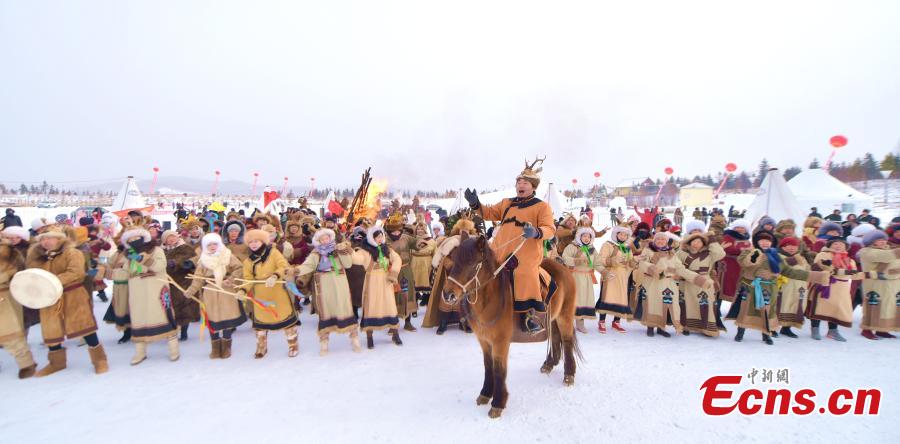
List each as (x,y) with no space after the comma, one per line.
(630,388)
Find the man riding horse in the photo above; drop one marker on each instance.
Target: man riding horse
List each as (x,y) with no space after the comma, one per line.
(524,216)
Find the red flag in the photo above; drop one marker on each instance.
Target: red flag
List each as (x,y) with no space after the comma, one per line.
(335,208)
(269,196)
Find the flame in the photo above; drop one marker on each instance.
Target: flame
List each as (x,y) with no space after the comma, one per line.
(372,205)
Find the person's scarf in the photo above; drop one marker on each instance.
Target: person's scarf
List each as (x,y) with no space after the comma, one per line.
(840,260)
(259,256)
(774,259)
(327,261)
(737,236)
(217,263)
(378,253)
(660,250)
(624,249)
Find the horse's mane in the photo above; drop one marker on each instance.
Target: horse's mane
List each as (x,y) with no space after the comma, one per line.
(467,254)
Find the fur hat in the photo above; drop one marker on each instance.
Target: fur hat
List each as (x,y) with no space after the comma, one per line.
(785,224)
(643,226)
(166,234)
(686,241)
(258,235)
(372,232)
(763,234)
(233,225)
(190,223)
(19,232)
(133,233)
(694,224)
(109,220)
(532,174)
(872,236)
(394,222)
(613,236)
(582,231)
(827,226)
(39,223)
(765,220)
(585,221)
(316,239)
(211,238)
(787,241)
(740,223)
(463,225)
(859,232)
(436,228)
(56,231)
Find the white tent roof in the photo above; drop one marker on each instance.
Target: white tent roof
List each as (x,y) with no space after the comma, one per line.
(775,199)
(555,199)
(129,197)
(817,188)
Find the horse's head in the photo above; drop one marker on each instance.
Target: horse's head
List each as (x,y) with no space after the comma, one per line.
(463,266)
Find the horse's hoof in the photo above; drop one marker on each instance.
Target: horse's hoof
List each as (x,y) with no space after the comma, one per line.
(569,380)
(482,400)
(546,369)
(495,412)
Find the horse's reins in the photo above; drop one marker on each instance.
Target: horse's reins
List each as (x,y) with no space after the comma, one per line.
(479,285)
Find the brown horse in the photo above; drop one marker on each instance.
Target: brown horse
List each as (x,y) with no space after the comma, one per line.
(487,300)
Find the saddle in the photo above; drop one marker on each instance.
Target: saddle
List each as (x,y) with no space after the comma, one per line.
(548,289)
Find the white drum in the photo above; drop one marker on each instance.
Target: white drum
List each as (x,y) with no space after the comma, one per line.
(36,288)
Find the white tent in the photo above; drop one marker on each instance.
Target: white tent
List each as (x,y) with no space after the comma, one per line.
(555,199)
(817,188)
(458,203)
(129,197)
(775,199)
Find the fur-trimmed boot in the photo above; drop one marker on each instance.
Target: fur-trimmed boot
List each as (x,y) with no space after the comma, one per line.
(140,353)
(293,346)
(216,349)
(407,325)
(173,349)
(354,342)
(98,358)
(395,336)
(370,341)
(226,348)
(27,372)
(262,344)
(57,362)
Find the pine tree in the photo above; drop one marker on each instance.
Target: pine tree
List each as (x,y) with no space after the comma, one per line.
(871,167)
(743,182)
(814,165)
(763,170)
(791,172)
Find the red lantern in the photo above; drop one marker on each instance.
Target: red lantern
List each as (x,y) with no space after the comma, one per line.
(285,178)
(838,141)
(255,174)
(730,167)
(597,174)
(155,169)
(669,171)
(218,172)
(574,181)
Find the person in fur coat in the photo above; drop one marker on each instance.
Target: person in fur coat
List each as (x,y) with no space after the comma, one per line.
(328,263)
(218,267)
(12,327)
(658,294)
(700,252)
(233,238)
(792,293)
(180,262)
(18,238)
(439,311)
(761,271)
(881,287)
(832,302)
(583,259)
(382,265)
(735,240)
(149,297)
(618,262)
(265,267)
(72,316)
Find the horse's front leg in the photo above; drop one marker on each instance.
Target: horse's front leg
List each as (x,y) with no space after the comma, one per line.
(501,358)
(487,389)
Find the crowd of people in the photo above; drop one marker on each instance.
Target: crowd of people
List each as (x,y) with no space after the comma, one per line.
(227,270)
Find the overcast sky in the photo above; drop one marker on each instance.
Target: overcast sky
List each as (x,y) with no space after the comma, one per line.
(440,94)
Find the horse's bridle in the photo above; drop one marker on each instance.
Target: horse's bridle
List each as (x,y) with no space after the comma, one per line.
(477,281)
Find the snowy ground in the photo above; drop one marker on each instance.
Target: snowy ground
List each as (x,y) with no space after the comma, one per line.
(631,388)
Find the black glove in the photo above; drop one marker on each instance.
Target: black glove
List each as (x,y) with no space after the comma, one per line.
(472,197)
(529,232)
(826,262)
(754,256)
